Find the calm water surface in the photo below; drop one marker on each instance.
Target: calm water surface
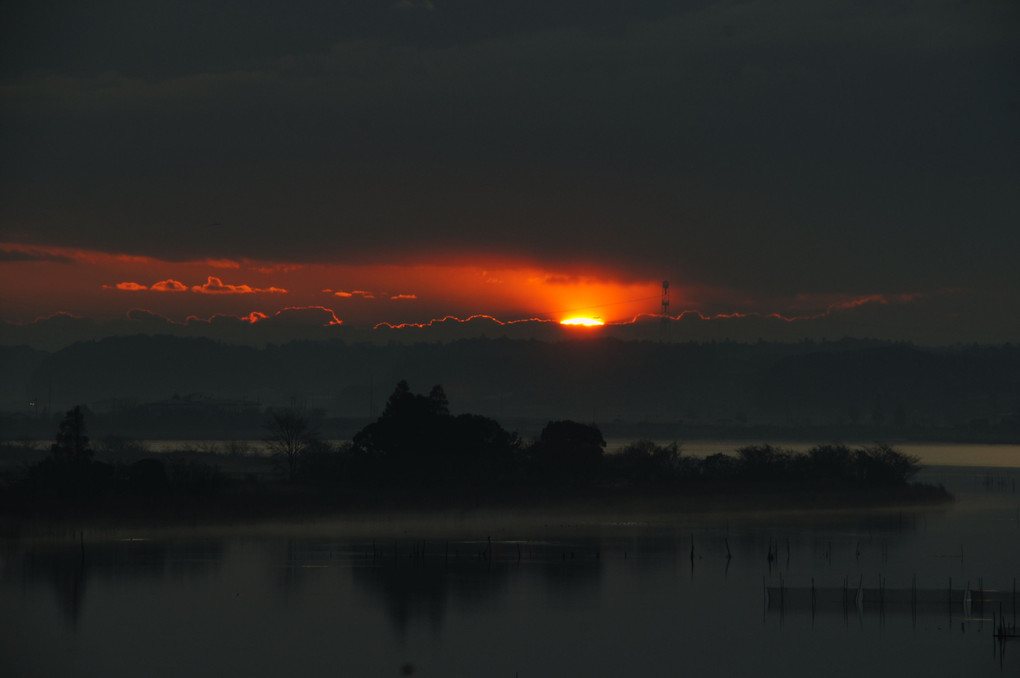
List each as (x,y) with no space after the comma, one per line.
(547,596)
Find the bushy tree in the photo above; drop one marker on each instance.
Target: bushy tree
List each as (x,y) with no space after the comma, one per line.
(719,466)
(760,462)
(409,433)
(644,461)
(568,452)
(480,450)
(882,465)
(416,439)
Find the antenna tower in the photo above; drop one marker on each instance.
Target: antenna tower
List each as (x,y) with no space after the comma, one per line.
(665,311)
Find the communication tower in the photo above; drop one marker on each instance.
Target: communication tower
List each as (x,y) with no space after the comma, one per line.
(664,331)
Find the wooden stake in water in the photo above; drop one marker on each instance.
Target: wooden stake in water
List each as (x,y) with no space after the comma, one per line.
(782,593)
(913,598)
(950,599)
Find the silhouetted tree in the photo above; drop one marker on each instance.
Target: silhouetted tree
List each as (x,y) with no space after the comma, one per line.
(719,466)
(72,445)
(409,432)
(438,403)
(643,461)
(831,462)
(290,434)
(882,465)
(480,450)
(416,439)
(69,472)
(759,462)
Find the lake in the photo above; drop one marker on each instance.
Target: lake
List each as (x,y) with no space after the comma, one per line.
(937,454)
(787,593)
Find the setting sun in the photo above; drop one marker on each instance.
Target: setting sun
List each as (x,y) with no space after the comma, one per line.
(586,322)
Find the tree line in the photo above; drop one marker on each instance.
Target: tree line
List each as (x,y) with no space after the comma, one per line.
(417,443)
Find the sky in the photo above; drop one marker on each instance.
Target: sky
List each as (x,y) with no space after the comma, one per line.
(792,168)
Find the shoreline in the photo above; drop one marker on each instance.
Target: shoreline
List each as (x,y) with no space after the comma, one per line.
(393,511)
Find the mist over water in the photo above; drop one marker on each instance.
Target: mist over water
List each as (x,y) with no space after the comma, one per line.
(930,454)
(527,595)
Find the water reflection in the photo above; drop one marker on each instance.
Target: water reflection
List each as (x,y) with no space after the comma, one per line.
(63,570)
(298,560)
(68,566)
(419,580)
(708,594)
(410,590)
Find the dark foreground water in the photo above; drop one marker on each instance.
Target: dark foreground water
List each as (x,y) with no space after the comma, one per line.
(545,596)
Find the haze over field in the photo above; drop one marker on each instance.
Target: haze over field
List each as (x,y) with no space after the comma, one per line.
(795,169)
(167,387)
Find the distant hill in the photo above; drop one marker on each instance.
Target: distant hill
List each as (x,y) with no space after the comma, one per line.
(848,388)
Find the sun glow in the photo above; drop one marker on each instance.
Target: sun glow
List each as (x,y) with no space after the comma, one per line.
(104,285)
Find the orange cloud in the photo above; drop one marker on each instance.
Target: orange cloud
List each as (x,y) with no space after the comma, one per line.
(293,314)
(214,285)
(353,293)
(126,286)
(507,288)
(454,319)
(222,263)
(169,285)
(254,317)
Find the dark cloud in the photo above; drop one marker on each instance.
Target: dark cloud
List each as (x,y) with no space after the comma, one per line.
(14,255)
(310,316)
(182,37)
(143,321)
